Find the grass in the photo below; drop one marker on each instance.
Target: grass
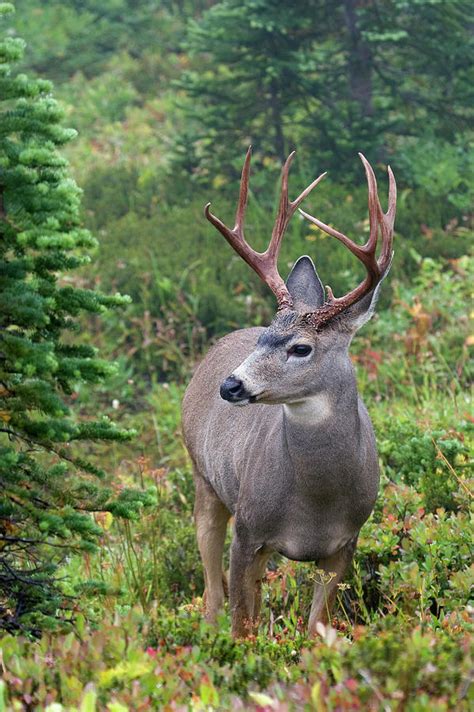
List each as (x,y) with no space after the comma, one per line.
(400,636)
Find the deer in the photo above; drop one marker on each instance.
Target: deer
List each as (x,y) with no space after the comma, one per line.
(295,465)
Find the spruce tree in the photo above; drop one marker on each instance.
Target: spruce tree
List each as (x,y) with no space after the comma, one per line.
(47,491)
(329,77)
(247,83)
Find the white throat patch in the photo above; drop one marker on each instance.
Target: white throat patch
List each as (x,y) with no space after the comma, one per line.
(309,411)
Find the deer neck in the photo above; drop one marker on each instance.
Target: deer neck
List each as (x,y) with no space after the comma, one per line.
(326,417)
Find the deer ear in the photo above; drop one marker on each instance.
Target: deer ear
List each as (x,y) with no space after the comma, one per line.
(304,285)
(360,313)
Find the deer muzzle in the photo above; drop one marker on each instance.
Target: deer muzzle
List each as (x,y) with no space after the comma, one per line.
(233,390)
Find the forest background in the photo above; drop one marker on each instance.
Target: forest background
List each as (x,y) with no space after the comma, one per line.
(166,97)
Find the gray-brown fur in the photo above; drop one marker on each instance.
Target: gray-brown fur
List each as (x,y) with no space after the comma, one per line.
(298,468)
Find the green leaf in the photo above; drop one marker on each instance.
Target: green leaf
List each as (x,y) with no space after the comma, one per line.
(263,700)
(88,703)
(3,696)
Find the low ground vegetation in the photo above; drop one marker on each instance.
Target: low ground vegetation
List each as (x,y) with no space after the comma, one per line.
(401,632)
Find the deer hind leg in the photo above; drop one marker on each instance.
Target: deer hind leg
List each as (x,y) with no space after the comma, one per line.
(247,568)
(325,587)
(211,518)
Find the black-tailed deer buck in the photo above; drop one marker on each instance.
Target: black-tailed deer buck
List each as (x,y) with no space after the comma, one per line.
(297,467)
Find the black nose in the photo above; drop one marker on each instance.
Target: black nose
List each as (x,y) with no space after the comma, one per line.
(233,389)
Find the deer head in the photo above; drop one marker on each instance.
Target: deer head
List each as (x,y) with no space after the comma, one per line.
(312,329)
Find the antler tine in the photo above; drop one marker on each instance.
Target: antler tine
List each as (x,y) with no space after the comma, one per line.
(286,208)
(392,196)
(356,249)
(263,263)
(244,192)
(376,268)
(282,218)
(307,191)
(236,236)
(388,222)
(375,210)
(379,219)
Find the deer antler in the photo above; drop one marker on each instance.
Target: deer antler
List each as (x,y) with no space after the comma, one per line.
(376,268)
(264,263)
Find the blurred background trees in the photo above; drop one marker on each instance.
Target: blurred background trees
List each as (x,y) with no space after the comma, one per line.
(166,97)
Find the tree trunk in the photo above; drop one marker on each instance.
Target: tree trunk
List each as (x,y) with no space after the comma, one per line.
(277,122)
(360,60)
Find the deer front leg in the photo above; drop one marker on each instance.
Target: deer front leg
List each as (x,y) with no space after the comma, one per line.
(247,565)
(260,566)
(211,518)
(325,587)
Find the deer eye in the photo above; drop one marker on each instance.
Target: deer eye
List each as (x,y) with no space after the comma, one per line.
(300,350)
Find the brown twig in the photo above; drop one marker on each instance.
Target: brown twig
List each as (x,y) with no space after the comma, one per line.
(451,469)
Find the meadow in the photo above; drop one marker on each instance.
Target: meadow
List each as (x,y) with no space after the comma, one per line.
(401,632)
(129,632)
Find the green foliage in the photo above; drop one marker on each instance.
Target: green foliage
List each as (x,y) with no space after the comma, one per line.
(82,36)
(47,488)
(332,78)
(428,328)
(253,54)
(413,644)
(425,460)
(447,178)
(166,97)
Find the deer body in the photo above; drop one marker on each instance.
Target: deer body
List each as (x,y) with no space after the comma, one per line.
(297,464)
(300,478)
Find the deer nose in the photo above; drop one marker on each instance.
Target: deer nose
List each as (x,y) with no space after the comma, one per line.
(233,389)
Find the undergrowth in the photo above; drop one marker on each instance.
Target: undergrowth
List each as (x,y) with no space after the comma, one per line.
(401,631)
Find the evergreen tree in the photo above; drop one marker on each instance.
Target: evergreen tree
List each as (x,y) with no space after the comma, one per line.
(249,80)
(47,490)
(427,76)
(330,77)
